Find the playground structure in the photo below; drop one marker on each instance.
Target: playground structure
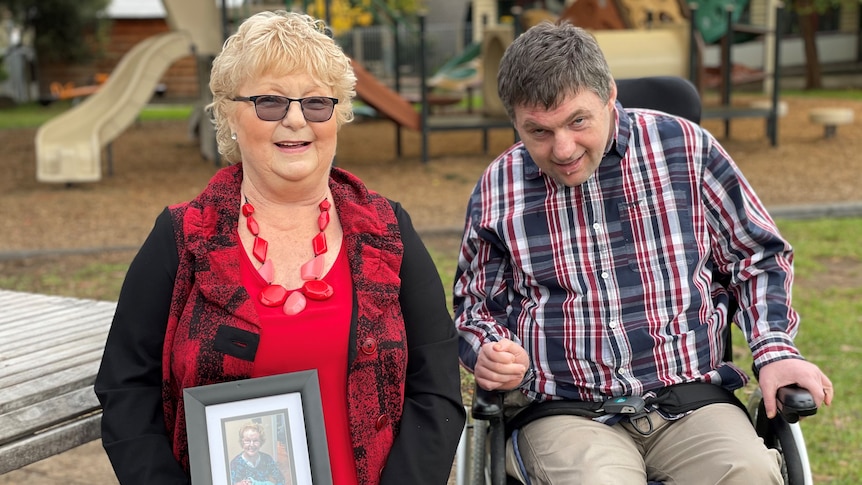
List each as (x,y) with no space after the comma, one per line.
(640,38)
(668,37)
(658,40)
(60,91)
(69,147)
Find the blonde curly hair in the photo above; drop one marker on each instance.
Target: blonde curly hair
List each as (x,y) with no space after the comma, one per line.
(257,427)
(277,43)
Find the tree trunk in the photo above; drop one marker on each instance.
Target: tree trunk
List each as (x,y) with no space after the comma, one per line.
(808,28)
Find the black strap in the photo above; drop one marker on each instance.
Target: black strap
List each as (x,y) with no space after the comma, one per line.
(544,409)
(682,398)
(676,399)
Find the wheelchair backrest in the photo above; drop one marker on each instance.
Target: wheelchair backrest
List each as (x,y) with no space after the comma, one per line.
(673,95)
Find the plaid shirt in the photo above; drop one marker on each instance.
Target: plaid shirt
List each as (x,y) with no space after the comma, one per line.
(612,286)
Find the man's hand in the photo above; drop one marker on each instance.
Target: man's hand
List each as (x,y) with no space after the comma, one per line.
(793,371)
(501,365)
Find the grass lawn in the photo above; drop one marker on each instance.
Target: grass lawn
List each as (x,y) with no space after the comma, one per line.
(31,115)
(829,280)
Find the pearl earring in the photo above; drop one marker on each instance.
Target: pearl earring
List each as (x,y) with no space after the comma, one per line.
(233,136)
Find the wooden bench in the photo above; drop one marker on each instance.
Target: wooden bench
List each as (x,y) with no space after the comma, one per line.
(50,349)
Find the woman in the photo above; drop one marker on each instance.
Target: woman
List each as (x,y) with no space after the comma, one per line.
(252,466)
(285,263)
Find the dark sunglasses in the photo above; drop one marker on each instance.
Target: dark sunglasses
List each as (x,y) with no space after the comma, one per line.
(270,107)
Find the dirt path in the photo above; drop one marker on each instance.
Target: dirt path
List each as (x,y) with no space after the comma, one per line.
(157,164)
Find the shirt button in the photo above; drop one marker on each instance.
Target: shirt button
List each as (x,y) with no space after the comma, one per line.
(382,421)
(605,275)
(368,346)
(597,227)
(612,324)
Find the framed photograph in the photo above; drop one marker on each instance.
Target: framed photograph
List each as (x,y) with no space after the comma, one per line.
(266,430)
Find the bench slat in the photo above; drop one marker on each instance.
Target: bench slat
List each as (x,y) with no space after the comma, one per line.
(52,442)
(27,346)
(52,359)
(46,413)
(53,317)
(50,351)
(31,306)
(26,391)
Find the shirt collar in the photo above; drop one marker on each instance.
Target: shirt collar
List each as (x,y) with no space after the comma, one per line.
(622,129)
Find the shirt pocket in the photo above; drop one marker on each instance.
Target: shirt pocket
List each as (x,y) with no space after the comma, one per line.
(658,231)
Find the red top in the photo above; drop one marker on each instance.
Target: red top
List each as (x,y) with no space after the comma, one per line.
(315,338)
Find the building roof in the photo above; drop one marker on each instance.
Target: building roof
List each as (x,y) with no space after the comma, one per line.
(147,9)
(136,9)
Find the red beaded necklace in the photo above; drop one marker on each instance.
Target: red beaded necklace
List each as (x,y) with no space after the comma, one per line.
(314,288)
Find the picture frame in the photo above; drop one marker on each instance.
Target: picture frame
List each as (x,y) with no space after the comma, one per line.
(274,421)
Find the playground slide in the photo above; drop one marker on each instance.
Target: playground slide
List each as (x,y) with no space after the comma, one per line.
(201,19)
(68,147)
(461,71)
(385,100)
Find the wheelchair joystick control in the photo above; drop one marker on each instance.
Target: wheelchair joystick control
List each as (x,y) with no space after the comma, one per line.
(795,402)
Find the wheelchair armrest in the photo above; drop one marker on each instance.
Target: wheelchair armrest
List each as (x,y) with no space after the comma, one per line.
(795,402)
(487,405)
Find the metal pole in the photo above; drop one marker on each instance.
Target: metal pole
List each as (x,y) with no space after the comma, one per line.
(397,58)
(727,65)
(423,94)
(224,22)
(693,54)
(776,73)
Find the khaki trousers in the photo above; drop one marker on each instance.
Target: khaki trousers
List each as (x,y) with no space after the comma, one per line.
(715,444)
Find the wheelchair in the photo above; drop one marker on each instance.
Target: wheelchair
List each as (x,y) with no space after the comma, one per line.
(488,442)
(487,465)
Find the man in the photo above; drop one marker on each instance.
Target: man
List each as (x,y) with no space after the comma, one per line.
(594,265)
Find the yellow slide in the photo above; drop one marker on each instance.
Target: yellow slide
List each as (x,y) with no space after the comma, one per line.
(69,146)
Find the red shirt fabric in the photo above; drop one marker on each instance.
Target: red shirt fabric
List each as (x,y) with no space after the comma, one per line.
(315,338)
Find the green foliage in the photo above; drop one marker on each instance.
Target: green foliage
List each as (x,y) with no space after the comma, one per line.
(346,14)
(806,7)
(397,9)
(65,30)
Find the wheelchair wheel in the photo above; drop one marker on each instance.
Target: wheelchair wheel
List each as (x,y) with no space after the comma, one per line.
(784,437)
(478,452)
